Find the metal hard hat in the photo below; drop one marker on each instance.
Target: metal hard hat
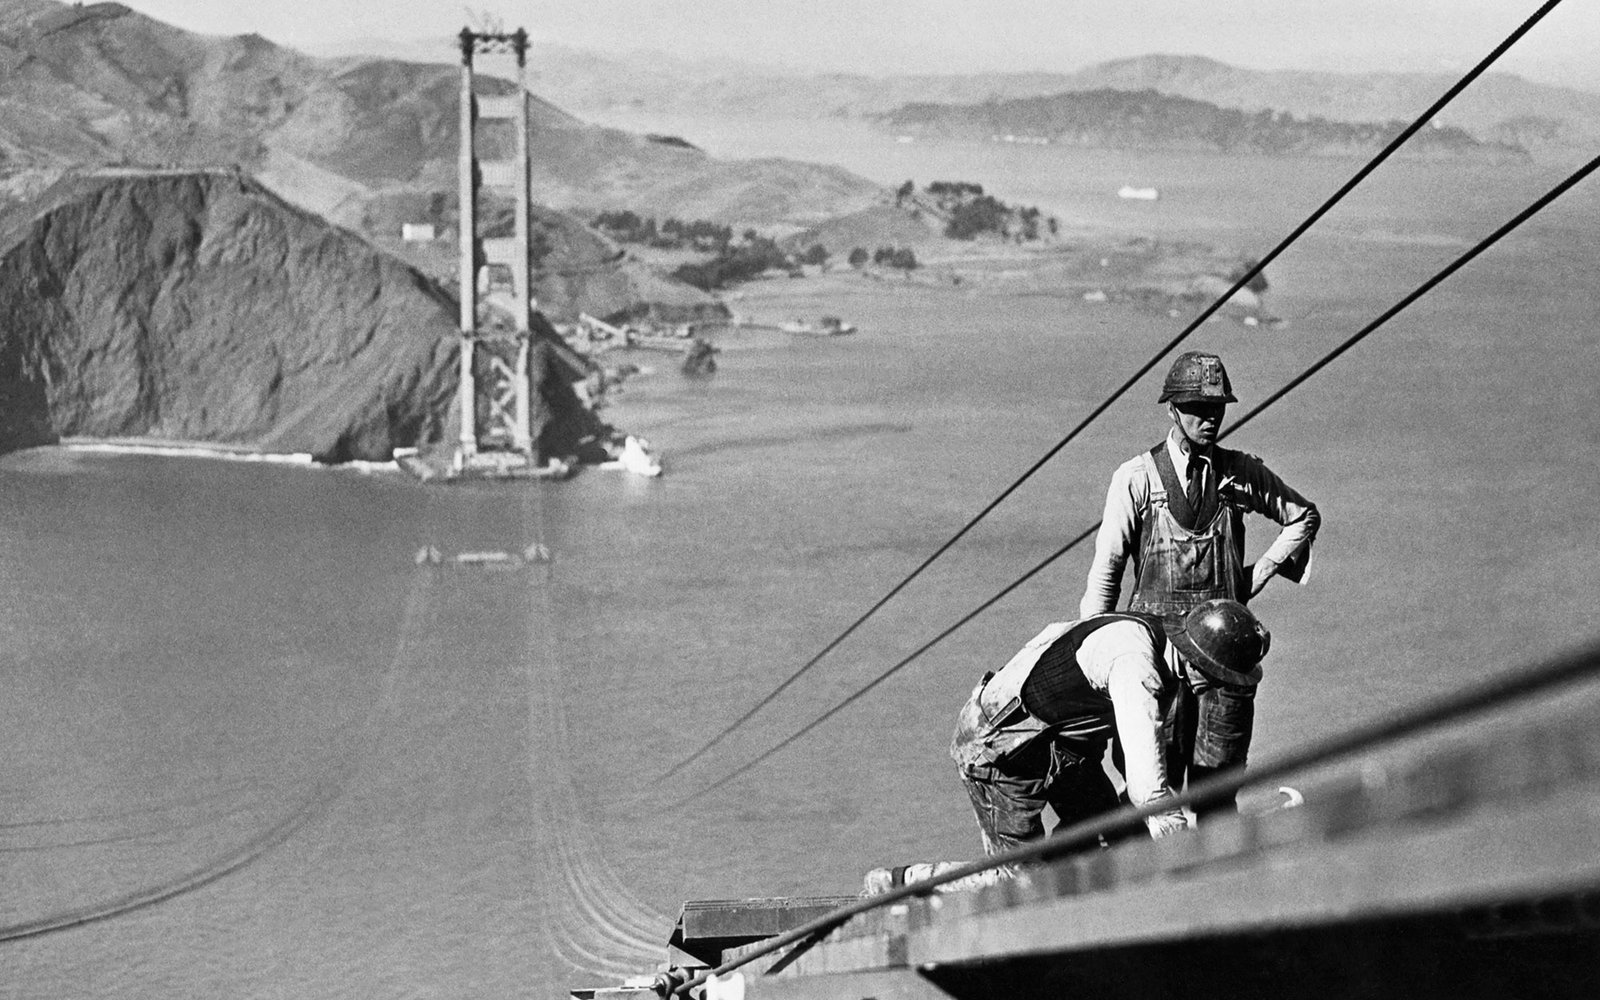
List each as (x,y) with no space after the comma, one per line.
(1197,375)
(1223,640)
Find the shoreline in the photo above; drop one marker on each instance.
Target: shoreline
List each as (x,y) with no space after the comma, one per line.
(1147,275)
(1090,270)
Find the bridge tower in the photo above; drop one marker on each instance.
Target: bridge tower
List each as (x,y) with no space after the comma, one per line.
(494,361)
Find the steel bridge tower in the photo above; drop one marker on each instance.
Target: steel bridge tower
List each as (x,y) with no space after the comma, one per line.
(498,358)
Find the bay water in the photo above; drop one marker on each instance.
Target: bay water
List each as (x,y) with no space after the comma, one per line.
(254,748)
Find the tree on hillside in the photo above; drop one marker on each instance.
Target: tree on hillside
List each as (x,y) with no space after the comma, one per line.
(817,254)
(672,234)
(1030,223)
(900,257)
(734,263)
(903,192)
(983,214)
(539,247)
(858,257)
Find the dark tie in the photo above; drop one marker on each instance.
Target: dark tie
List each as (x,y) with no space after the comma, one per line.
(1197,482)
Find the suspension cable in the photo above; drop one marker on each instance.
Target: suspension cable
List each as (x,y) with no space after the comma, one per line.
(1243,280)
(1568,668)
(1324,361)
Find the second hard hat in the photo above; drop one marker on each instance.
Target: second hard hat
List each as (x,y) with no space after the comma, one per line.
(1223,640)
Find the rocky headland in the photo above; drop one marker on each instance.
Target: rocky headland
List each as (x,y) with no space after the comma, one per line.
(199,306)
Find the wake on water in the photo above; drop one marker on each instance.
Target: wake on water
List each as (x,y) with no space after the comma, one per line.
(591,924)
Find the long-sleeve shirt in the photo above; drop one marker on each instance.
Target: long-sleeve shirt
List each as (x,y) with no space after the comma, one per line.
(1245,479)
(1120,659)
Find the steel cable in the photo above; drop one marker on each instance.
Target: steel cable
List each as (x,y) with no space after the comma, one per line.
(1572,179)
(1240,283)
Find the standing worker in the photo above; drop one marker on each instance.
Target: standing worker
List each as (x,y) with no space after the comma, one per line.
(1178,510)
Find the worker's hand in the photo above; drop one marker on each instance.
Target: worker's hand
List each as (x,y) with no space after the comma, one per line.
(1166,824)
(1260,573)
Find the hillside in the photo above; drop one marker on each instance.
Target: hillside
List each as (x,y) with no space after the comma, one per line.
(1146,119)
(102,84)
(369,144)
(881,225)
(1498,106)
(139,90)
(575,268)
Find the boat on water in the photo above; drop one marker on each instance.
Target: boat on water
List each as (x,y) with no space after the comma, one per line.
(1138,193)
(827,326)
(658,342)
(633,455)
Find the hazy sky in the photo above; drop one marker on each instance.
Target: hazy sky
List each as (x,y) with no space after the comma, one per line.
(963,36)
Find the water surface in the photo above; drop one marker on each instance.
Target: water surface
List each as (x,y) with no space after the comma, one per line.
(413,781)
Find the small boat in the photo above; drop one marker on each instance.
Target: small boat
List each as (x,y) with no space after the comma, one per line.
(658,342)
(1138,193)
(429,555)
(634,456)
(828,326)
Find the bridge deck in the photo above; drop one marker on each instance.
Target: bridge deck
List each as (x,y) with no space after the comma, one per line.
(1464,865)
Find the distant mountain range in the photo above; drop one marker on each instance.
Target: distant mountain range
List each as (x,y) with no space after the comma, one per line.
(100,83)
(1499,108)
(371,142)
(1147,120)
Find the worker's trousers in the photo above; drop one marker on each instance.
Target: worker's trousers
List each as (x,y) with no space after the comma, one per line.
(1008,798)
(1207,730)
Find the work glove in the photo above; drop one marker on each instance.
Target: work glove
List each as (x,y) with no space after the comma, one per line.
(1167,822)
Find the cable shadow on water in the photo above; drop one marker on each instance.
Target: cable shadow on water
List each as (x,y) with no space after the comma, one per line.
(161,807)
(144,837)
(314,804)
(597,926)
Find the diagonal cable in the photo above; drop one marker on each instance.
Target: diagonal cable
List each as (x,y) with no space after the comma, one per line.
(1570,668)
(1243,280)
(1323,362)
(862,691)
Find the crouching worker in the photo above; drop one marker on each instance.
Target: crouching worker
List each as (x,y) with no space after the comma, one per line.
(1035,733)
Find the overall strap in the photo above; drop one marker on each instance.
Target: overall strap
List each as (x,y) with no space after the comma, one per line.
(1177,498)
(1152,476)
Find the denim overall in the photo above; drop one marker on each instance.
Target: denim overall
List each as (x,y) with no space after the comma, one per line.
(1188,557)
